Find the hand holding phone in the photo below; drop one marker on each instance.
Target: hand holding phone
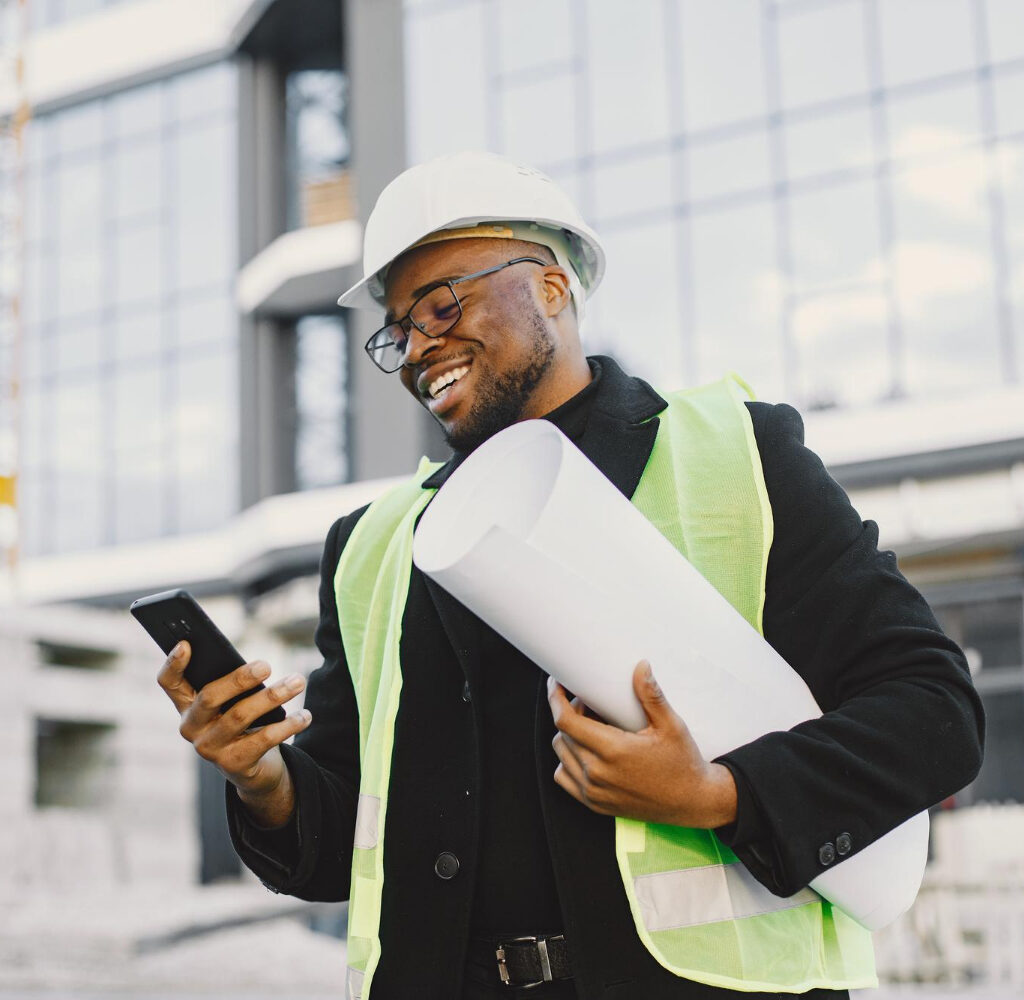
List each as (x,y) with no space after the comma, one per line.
(173,615)
(218,717)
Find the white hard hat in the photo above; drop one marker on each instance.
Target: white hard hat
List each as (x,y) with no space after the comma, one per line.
(465,194)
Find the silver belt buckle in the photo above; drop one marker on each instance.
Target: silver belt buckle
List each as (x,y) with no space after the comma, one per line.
(542,951)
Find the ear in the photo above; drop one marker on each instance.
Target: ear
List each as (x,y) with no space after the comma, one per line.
(555,292)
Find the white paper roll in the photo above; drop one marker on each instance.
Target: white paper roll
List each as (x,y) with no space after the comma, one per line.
(531,537)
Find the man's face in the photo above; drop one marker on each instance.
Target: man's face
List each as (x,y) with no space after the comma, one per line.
(502,349)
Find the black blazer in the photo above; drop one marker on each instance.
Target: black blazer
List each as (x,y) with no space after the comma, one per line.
(903,729)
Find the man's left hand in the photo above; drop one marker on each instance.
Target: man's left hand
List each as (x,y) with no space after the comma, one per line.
(656,774)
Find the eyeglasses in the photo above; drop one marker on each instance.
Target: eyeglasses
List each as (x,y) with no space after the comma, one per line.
(434,313)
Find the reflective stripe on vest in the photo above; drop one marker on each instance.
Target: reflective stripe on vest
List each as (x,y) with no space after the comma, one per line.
(697,910)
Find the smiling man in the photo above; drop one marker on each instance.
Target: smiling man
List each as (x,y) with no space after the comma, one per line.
(468,809)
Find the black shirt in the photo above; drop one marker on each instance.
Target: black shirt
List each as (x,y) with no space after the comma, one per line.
(515,883)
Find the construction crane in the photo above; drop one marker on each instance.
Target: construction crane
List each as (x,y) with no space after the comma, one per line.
(14,115)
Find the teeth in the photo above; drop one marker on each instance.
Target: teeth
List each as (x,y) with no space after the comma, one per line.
(443,381)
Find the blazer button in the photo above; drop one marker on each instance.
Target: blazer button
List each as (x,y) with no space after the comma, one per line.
(446,866)
(466,697)
(827,853)
(844,844)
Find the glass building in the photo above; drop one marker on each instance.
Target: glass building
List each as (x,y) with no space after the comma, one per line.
(809,193)
(799,190)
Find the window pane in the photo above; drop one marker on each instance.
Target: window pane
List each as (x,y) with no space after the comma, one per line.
(40,283)
(736,296)
(821,54)
(78,345)
(1005,22)
(35,513)
(950,45)
(1008,89)
(446,68)
(79,206)
(927,124)
(135,112)
(634,187)
(316,108)
(1010,176)
(35,426)
(841,344)
(140,463)
(840,140)
(722,56)
(205,320)
(639,321)
(629,93)
(137,334)
(79,284)
(207,91)
(137,276)
(79,128)
(138,409)
(137,180)
(205,440)
(834,234)
(539,120)
(729,166)
(943,275)
(204,171)
(38,199)
(321,457)
(523,47)
(39,140)
(78,466)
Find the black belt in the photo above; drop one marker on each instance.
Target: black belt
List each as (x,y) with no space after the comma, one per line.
(531,961)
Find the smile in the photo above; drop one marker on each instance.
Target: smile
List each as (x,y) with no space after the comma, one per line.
(444,382)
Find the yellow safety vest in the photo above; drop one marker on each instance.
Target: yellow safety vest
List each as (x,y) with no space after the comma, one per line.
(696,908)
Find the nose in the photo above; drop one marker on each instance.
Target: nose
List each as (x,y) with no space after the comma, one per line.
(419,345)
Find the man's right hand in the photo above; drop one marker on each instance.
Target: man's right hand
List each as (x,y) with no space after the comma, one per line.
(250,760)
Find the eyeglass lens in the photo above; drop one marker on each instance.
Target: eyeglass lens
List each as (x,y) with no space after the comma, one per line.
(434,313)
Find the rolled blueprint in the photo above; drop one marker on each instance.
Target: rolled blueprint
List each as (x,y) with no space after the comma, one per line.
(532,538)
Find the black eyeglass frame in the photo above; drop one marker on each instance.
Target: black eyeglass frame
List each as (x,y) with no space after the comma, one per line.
(405,321)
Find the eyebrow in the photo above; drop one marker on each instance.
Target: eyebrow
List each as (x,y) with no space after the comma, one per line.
(389,316)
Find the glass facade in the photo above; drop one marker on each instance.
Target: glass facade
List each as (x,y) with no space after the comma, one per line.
(130,417)
(318,181)
(801,191)
(321,412)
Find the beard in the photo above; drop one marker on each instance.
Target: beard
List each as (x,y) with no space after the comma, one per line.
(501,402)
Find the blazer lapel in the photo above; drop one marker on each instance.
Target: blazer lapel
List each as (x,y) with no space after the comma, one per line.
(619,449)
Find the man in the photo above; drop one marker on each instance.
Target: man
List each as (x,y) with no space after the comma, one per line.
(494,791)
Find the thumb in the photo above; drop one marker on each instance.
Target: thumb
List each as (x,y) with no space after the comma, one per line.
(652,698)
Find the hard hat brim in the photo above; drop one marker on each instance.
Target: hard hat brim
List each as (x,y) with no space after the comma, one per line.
(361,294)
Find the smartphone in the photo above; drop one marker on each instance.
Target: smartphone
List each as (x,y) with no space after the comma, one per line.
(173,615)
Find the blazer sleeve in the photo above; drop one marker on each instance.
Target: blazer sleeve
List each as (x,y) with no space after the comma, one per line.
(902,727)
(311,855)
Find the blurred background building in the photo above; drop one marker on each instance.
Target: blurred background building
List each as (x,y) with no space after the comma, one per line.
(825,195)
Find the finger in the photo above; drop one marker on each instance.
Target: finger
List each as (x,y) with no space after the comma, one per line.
(171,676)
(567,754)
(244,755)
(652,699)
(246,712)
(265,737)
(211,696)
(566,781)
(570,718)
